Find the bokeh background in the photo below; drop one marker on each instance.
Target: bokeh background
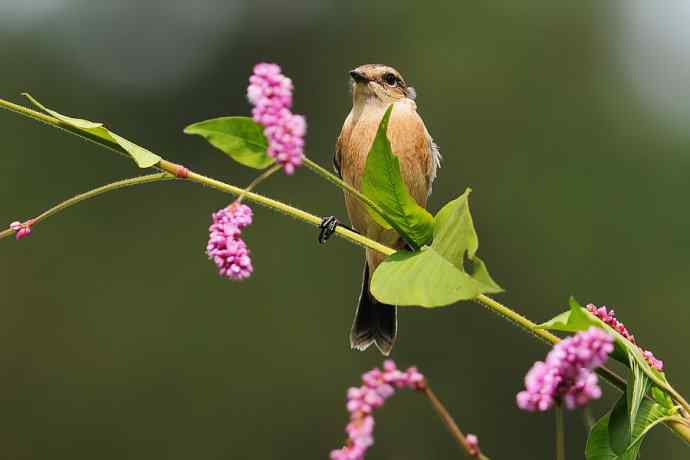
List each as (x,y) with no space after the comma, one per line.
(117,338)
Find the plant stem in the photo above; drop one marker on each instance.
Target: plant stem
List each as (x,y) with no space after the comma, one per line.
(560,433)
(450,423)
(265,175)
(91,194)
(587,418)
(329,176)
(276,205)
(349,235)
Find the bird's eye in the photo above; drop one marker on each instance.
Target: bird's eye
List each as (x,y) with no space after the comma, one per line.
(390,79)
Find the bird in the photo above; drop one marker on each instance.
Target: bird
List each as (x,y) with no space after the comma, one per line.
(374,88)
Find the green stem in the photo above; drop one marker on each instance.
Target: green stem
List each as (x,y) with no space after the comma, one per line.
(276,205)
(329,176)
(91,194)
(265,175)
(349,235)
(560,433)
(588,418)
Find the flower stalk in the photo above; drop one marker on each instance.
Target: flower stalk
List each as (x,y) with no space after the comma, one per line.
(560,433)
(92,194)
(453,428)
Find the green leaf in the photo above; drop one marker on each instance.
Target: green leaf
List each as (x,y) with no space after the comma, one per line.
(599,443)
(143,157)
(662,398)
(619,428)
(455,238)
(241,138)
(573,320)
(383,184)
(424,278)
(445,273)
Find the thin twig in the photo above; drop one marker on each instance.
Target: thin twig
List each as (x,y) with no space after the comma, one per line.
(91,194)
(448,420)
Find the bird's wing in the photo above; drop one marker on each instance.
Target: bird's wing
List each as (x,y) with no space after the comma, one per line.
(434,162)
(336,158)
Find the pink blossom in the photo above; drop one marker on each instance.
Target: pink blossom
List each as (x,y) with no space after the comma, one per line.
(377,386)
(225,247)
(473,445)
(270,92)
(609,317)
(21,230)
(566,376)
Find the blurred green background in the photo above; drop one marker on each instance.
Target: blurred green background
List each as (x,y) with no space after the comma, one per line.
(118,339)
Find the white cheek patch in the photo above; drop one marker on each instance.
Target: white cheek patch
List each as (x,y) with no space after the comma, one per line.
(411,93)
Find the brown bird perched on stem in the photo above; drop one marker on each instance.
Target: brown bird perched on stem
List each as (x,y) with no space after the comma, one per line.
(374,88)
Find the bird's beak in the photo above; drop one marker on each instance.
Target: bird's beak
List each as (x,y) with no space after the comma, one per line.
(358,77)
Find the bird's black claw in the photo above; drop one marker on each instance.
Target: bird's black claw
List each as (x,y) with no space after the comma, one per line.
(327,228)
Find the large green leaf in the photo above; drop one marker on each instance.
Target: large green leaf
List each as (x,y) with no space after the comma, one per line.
(239,137)
(383,184)
(444,273)
(455,238)
(143,158)
(424,278)
(608,432)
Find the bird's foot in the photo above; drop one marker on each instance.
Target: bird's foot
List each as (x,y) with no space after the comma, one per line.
(327,228)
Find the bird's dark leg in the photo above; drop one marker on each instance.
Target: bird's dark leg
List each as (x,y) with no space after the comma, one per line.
(327,228)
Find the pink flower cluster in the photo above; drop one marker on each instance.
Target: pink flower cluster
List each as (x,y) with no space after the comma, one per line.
(225,247)
(378,385)
(609,317)
(567,374)
(21,230)
(270,92)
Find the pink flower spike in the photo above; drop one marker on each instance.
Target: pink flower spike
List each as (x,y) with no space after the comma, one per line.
(270,92)
(377,386)
(225,247)
(609,317)
(567,375)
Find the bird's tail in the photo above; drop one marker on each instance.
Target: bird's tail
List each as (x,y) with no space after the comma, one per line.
(374,322)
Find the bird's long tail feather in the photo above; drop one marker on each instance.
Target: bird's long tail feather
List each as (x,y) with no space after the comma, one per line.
(375,322)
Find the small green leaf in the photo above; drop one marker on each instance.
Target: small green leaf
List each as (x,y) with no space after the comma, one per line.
(239,137)
(383,184)
(573,320)
(662,398)
(456,239)
(599,442)
(424,278)
(143,157)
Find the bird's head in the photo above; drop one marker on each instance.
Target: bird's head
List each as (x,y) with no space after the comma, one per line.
(381,82)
